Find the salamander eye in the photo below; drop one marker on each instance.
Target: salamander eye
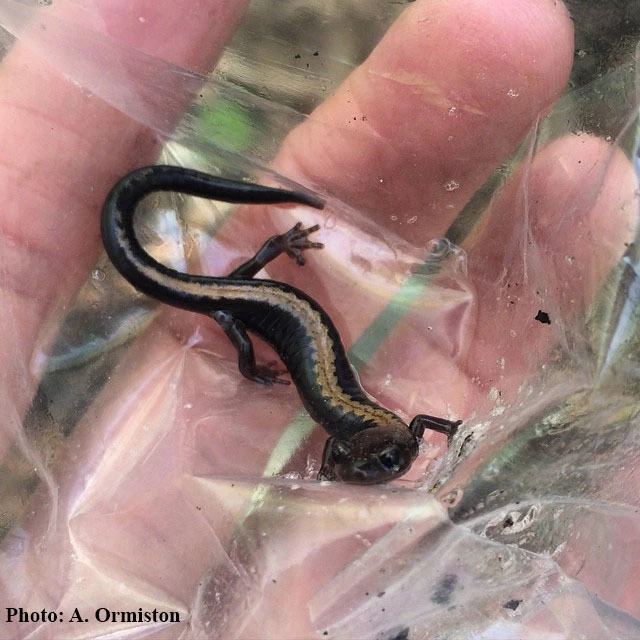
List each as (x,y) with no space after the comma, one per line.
(390,459)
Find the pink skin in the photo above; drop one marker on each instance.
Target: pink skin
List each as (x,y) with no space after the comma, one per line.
(442,53)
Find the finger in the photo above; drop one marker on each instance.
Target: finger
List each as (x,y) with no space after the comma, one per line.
(393,164)
(550,254)
(72,147)
(447,95)
(500,65)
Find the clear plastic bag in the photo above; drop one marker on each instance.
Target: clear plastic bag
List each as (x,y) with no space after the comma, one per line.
(147,476)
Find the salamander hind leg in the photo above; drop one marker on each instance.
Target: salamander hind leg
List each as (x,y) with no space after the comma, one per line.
(236,332)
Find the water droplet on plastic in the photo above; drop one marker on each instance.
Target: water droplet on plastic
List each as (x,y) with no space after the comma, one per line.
(512,333)
(412,219)
(512,93)
(439,249)
(330,222)
(581,53)
(452,185)
(98,274)
(452,111)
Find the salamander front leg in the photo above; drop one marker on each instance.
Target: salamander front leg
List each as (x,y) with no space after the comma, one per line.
(264,374)
(335,451)
(423,422)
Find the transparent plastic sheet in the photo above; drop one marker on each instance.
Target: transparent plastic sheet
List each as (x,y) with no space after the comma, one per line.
(146,474)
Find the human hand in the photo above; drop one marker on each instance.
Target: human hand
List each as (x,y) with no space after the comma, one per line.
(439,56)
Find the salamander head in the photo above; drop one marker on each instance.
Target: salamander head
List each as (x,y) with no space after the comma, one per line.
(377,454)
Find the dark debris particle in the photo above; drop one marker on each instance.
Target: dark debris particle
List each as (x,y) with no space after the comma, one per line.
(445,589)
(297,56)
(508,522)
(274,580)
(401,635)
(543,317)
(512,604)
(316,53)
(381,594)
(464,444)
(325,633)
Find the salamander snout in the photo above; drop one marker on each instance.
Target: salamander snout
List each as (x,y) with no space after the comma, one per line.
(377,454)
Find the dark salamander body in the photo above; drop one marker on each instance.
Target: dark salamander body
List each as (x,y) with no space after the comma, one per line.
(369,444)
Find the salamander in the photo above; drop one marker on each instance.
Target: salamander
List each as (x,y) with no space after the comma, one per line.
(367,444)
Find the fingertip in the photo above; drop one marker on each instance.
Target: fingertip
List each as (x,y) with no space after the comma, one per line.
(554,252)
(587,194)
(446,96)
